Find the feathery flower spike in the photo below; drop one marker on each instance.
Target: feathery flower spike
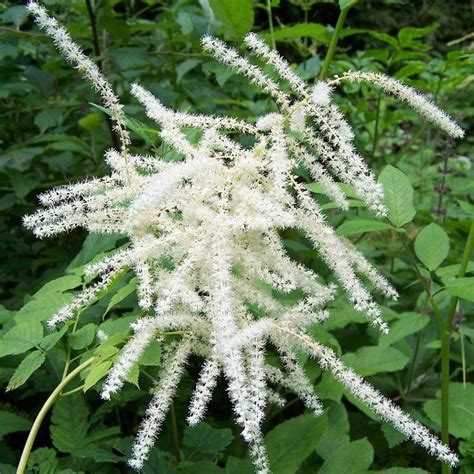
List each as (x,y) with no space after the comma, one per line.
(215,218)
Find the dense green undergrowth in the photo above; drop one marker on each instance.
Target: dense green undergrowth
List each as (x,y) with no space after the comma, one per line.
(52,133)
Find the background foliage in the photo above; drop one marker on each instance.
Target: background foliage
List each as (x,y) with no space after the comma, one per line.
(51,133)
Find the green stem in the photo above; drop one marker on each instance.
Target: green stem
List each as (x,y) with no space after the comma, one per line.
(413,364)
(445,345)
(377,120)
(333,43)
(44,409)
(270,23)
(462,271)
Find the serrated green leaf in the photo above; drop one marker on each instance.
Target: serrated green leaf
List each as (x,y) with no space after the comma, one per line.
(121,294)
(11,423)
(69,424)
(28,365)
(370,360)
(357,226)
(302,30)
(151,355)
(462,288)
(59,285)
(354,457)
(236,16)
(206,439)
(43,461)
(398,193)
(83,337)
(292,441)
(52,339)
(43,307)
(432,246)
(97,372)
(20,338)
(461,409)
(409,323)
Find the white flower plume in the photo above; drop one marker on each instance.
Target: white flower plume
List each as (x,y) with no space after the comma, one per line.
(214,217)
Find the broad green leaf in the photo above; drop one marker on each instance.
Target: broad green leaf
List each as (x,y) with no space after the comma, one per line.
(302,30)
(409,323)
(43,307)
(121,294)
(183,68)
(20,338)
(206,439)
(11,423)
(97,372)
(151,355)
(59,285)
(461,409)
(462,288)
(236,16)
(93,245)
(83,337)
(238,466)
(354,457)
(292,441)
(28,365)
(398,193)
(43,461)
(91,121)
(370,360)
(134,375)
(156,463)
(336,432)
(201,467)
(408,34)
(69,424)
(357,226)
(51,340)
(393,437)
(452,271)
(432,246)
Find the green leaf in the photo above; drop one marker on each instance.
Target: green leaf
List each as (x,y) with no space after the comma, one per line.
(91,121)
(393,437)
(43,461)
(206,439)
(51,340)
(357,226)
(28,365)
(42,307)
(69,424)
(83,337)
(20,338)
(183,68)
(48,118)
(370,360)
(336,432)
(59,285)
(353,457)
(151,355)
(11,423)
(238,466)
(93,245)
(462,288)
(292,441)
(398,196)
(301,30)
(98,371)
(408,34)
(432,246)
(461,409)
(121,294)
(236,16)
(343,4)
(409,323)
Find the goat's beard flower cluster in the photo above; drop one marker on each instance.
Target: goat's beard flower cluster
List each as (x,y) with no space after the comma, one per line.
(204,235)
